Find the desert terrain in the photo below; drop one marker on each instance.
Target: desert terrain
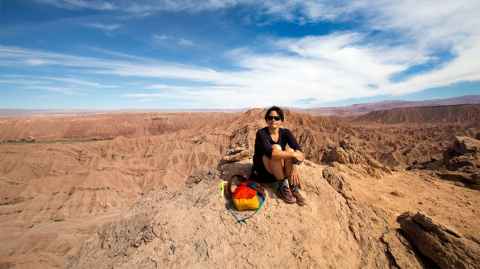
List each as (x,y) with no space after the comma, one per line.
(395,188)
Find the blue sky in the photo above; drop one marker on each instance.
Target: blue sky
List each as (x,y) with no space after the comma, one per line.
(99,54)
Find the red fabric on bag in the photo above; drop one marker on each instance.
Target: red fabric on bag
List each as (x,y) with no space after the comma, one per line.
(244,192)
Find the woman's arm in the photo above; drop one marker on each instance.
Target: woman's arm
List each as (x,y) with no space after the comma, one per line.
(292,143)
(299,156)
(275,151)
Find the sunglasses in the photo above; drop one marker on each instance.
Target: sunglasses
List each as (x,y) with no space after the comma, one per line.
(275,118)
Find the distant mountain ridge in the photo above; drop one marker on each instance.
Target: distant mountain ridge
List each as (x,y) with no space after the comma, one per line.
(466,113)
(343,111)
(361,109)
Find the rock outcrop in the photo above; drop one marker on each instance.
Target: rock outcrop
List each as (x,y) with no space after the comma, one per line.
(402,253)
(463,155)
(235,154)
(462,162)
(443,245)
(349,153)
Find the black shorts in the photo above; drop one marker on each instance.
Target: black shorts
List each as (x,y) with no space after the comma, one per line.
(260,173)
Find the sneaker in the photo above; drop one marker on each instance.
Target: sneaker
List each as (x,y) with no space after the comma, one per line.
(286,194)
(301,201)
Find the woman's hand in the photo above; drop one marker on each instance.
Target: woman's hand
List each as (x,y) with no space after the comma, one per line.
(298,155)
(295,177)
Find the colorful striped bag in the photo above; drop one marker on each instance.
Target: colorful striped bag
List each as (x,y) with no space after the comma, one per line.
(249,195)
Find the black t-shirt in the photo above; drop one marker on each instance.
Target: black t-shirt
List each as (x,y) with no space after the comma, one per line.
(264,142)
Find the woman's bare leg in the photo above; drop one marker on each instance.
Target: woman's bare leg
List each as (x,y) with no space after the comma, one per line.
(289,166)
(275,166)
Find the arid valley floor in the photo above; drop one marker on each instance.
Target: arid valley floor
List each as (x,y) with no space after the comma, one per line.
(396,188)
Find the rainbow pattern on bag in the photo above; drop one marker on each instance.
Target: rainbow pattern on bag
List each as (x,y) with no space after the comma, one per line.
(248,196)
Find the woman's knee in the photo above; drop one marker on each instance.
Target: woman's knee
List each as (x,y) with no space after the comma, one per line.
(276,147)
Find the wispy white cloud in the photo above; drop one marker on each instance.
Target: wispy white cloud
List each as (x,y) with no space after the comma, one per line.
(139,68)
(142,6)
(9,54)
(160,37)
(103,26)
(118,55)
(76,82)
(185,42)
(58,89)
(288,9)
(35,61)
(81,4)
(166,40)
(208,97)
(292,10)
(62,85)
(36,80)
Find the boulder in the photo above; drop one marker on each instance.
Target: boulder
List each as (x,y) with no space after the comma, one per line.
(401,251)
(469,179)
(462,160)
(336,154)
(443,245)
(336,180)
(464,145)
(235,154)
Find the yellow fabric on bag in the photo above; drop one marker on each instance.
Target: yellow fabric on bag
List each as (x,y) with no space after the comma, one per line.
(247,204)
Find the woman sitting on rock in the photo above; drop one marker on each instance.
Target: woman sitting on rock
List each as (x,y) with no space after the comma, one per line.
(273,162)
